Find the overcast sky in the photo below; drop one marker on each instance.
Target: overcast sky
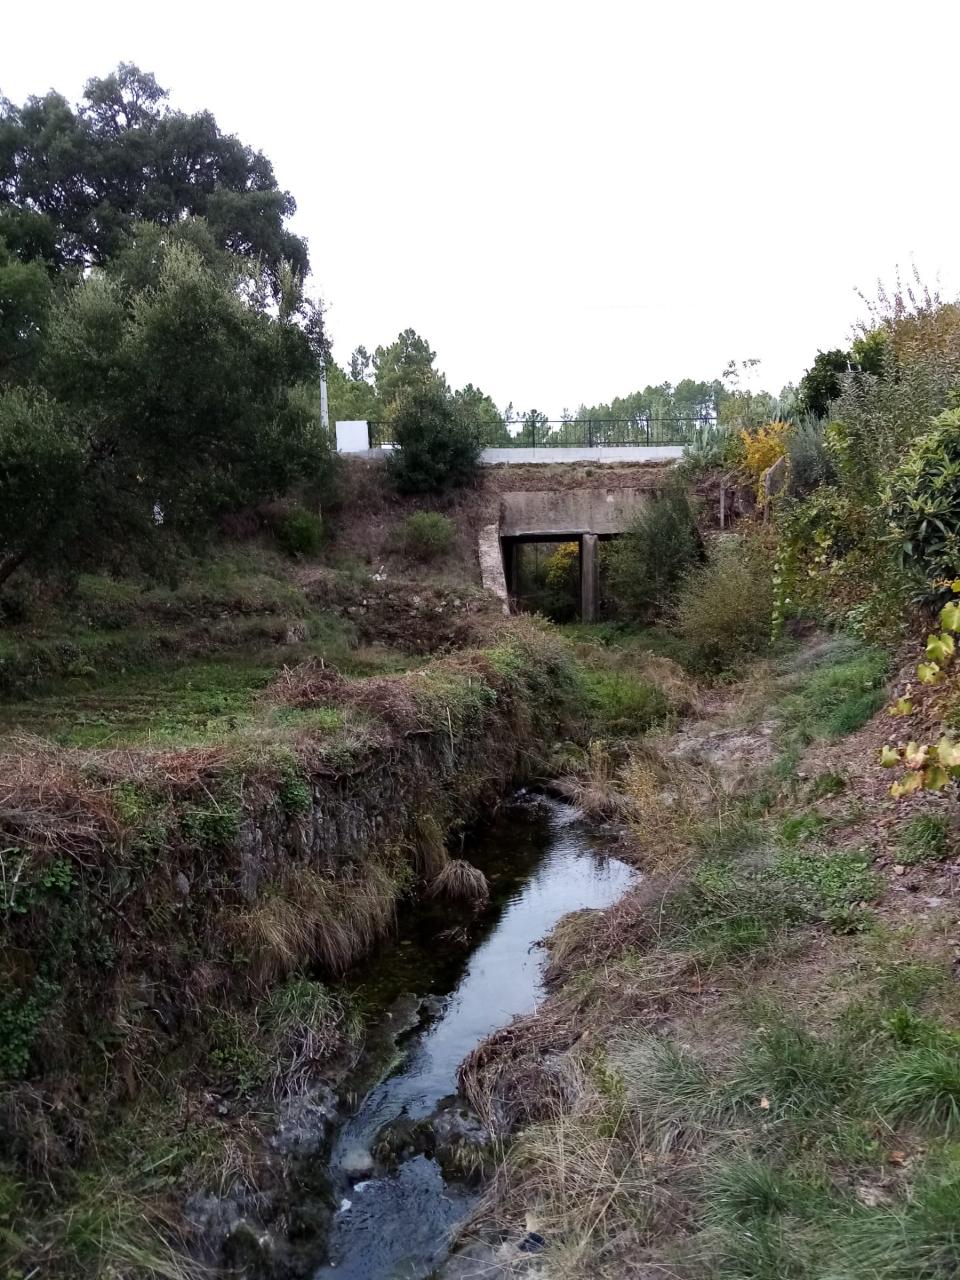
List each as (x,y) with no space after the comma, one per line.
(569,201)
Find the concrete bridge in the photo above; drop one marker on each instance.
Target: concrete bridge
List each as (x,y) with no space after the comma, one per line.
(564,499)
(584,516)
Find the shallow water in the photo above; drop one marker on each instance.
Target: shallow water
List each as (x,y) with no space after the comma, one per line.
(542,862)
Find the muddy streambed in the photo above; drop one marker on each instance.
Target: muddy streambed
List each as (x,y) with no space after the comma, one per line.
(445,982)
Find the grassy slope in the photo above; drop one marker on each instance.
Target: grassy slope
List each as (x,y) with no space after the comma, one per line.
(762,1045)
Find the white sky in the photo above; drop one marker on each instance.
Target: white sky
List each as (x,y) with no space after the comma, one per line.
(569,201)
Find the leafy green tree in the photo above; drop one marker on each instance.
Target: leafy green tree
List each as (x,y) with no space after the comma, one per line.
(402,366)
(535,432)
(645,566)
(124,155)
(360,364)
(25,293)
(350,399)
(869,352)
(473,405)
(633,416)
(41,477)
(174,402)
(437,446)
(823,381)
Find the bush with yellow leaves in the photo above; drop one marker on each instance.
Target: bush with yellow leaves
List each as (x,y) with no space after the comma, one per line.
(928,766)
(762,447)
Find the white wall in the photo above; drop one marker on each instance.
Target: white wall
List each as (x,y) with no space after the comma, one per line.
(353,437)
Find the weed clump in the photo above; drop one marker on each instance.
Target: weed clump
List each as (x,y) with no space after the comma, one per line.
(460,882)
(924,839)
(294,793)
(798,1073)
(213,826)
(832,886)
(623,703)
(426,535)
(837,698)
(921,1085)
(917,1237)
(299,532)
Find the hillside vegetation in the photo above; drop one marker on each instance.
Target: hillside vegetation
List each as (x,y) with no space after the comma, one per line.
(750,1067)
(252,696)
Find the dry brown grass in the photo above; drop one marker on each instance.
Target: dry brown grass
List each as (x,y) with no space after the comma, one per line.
(313,683)
(592,787)
(657,799)
(63,800)
(660,801)
(586,1181)
(305,685)
(47,801)
(428,848)
(677,685)
(460,882)
(311,918)
(517,1074)
(595,941)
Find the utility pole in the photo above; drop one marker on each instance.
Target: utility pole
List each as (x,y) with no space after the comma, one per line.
(324,407)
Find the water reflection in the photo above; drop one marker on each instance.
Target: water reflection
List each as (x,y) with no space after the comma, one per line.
(542,862)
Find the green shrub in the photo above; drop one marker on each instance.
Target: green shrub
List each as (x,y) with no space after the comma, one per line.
(623,703)
(923,503)
(808,461)
(438,446)
(716,449)
(300,532)
(644,566)
(724,608)
(426,535)
(294,794)
(21,1013)
(215,827)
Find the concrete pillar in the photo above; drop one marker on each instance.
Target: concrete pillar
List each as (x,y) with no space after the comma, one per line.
(589,577)
(492,563)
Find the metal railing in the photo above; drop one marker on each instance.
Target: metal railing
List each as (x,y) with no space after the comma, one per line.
(580,433)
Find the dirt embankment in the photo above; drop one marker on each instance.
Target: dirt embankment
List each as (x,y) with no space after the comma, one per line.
(369,513)
(165,913)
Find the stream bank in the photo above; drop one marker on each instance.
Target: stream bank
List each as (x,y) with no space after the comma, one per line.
(746,1068)
(167,914)
(382,1170)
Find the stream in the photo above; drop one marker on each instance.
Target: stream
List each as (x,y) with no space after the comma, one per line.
(469,975)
